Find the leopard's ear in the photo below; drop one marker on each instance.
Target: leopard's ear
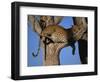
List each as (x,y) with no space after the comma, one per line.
(35,24)
(57,19)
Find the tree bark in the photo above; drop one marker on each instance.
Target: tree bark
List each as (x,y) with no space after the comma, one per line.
(83,40)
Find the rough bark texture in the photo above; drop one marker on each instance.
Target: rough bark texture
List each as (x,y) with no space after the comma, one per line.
(82,41)
(52,56)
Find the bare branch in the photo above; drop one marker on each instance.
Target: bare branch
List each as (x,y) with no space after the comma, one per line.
(35,24)
(79,27)
(37,27)
(80,21)
(31,19)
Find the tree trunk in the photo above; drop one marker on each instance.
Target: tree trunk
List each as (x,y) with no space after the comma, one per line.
(51,57)
(83,40)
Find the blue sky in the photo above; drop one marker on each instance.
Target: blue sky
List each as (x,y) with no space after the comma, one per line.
(66,57)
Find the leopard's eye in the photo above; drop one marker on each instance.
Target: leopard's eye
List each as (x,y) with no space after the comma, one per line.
(49,35)
(48,41)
